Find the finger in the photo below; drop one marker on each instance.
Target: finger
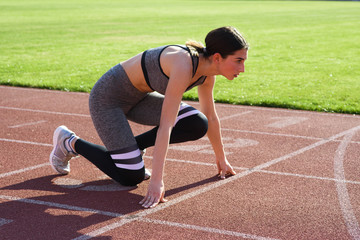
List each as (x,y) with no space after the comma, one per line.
(154,204)
(222,174)
(231,170)
(149,203)
(143,200)
(162,199)
(146,201)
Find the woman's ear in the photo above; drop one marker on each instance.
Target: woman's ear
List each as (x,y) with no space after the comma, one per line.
(217,57)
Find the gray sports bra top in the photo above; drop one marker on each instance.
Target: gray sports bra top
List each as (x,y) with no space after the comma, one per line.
(155,76)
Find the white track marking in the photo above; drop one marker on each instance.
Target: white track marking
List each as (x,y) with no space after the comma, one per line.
(23,170)
(168,159)
(283,122)
(25,142)
(235,115)
(237,107)
(175,160)
(220,182)
(271,134)
(118,215)
(43,111)
(59,205)
(27,124)
(302,150)
(42,90)
(209,187)
(205,229)
(262,171)
(280,135)
(229,143)
(223,129)
(68,182)
(284,110)
(343,195)
(4,221)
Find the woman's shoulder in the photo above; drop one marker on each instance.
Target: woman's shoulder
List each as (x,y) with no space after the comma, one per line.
(169,48)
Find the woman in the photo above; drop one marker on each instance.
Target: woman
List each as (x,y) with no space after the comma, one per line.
(148,89)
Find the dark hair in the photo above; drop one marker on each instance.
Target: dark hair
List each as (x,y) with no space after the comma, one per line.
(224,40)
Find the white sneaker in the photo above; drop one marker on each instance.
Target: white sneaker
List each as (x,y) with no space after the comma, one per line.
(147,174)
(147,171)
(60,156)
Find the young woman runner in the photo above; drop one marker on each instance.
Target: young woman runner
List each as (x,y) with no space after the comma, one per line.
(148,89)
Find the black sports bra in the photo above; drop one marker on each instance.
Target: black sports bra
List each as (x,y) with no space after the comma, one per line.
(155,76)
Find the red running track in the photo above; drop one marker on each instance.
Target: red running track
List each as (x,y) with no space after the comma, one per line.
(298,177)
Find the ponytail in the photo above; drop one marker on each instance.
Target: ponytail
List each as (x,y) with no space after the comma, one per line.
(196,47)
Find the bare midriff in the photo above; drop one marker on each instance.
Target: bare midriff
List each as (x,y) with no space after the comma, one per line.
(134,71)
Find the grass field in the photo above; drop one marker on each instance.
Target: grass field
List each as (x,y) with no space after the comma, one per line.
(304,55)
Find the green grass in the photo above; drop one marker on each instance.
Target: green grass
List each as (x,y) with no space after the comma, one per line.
(304,55)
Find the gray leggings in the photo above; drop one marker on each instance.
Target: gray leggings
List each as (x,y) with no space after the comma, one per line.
(113,101)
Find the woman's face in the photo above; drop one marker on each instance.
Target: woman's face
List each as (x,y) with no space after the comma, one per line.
(231,66)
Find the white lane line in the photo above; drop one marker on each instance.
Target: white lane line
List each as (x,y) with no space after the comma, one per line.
(119,215)
(223,129)
(271,134)
(342,192)
(26,142)
(302,150)
(282,122)
(207,188)
(284,110)
(168,159)
(42,90)
(262,171)
(4,221)
(237,107)
(59,205)
(43,111)
(309,177)
(235,115)
(205,229)
(27,124)
(280,134)
(23,170)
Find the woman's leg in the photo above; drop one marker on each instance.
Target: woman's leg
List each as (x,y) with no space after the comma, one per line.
(101,158)
(111,97)
(190,123)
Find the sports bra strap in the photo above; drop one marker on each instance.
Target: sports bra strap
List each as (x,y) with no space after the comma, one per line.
(144,70)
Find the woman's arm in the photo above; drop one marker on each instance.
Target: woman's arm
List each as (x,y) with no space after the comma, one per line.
(207,107)
(179,79)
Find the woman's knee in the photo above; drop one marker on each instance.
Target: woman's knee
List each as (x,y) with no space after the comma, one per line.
(194,126)
(200,125)
(131,177)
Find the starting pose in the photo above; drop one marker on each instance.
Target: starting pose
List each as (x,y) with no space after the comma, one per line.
(148,89)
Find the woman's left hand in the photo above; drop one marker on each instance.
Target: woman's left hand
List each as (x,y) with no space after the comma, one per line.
(155,195)
(224,168)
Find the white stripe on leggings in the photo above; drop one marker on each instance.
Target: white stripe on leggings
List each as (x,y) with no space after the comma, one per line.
(136,166)
(128,155)
(193,112)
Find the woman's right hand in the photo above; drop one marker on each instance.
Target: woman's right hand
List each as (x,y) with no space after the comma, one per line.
(154,195)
